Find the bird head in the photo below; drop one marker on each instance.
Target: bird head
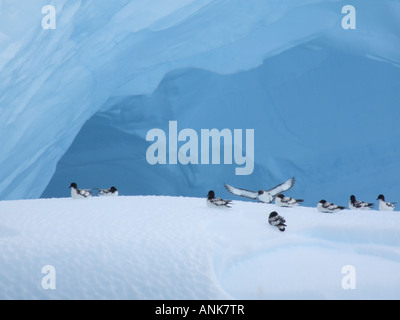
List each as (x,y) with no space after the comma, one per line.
(273,214)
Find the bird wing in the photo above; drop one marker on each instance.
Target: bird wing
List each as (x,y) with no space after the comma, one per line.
(288,200)
(329,205)
(242,192)
(99,191)
(220,202)
(335,207)
(364,204)
(104,191)
(85,192)
(277,221)
(273,221)
(282,187)
(359,204)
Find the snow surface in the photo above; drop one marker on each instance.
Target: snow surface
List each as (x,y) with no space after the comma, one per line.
(76,102)
(149,247)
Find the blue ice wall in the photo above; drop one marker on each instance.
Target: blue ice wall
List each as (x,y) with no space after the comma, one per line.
(327,118)
(76,102)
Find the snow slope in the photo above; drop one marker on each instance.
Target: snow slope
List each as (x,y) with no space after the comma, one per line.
(178,248)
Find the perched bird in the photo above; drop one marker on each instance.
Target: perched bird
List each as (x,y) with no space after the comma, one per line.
(385,206)
(359,205)
(112,192)
(79,193)
(288,202)
(266,196)
(277,221)
(328,207)
(214,202)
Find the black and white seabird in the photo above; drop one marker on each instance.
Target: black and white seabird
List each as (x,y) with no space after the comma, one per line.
(328,207)
(288,202)
(112,192)
(385,206)
(79,193)
(214,202)
(359,205)
(266,196)
(277,221)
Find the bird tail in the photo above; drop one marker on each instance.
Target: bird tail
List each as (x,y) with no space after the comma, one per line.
(282,227)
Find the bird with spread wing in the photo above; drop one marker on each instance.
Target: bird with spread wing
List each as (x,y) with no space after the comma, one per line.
(266,196)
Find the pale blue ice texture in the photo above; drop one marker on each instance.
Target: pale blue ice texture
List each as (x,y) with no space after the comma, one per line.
(76,102)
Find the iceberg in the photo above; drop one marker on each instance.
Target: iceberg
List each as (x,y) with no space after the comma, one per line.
(178,248)
(77,102)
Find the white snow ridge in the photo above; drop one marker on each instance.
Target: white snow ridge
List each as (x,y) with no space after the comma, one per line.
(178,248)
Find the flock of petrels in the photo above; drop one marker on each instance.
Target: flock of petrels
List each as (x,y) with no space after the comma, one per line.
(265,196)
(276,193)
